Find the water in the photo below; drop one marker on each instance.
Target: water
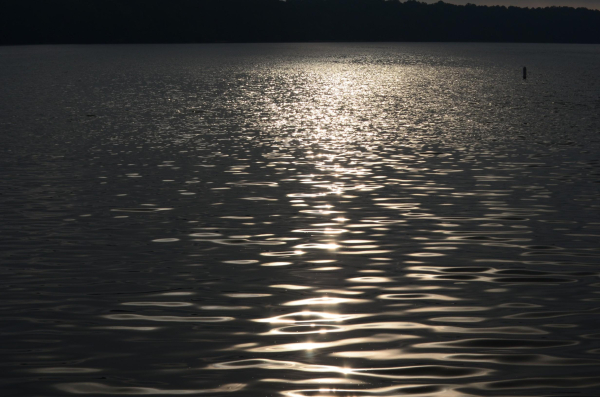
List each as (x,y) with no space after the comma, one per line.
(300,220)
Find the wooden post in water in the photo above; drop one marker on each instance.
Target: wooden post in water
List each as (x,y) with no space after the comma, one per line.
(524,72)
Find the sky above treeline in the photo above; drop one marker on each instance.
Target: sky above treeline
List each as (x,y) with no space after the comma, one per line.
(591,4)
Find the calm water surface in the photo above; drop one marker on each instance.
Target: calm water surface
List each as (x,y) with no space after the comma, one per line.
(300,220)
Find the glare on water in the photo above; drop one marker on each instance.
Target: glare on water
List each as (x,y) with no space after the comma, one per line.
(300,220)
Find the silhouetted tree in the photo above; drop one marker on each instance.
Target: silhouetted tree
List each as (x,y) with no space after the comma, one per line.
(202,21)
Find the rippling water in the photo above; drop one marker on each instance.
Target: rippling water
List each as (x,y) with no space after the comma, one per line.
(300,220)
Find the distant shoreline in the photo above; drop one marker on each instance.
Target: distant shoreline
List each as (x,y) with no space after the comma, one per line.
(287,42)
(30,22)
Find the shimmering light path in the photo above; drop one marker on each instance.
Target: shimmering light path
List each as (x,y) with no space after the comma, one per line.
(300,220)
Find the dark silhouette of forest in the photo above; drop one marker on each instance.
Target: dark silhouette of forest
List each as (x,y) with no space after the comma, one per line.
(209,21)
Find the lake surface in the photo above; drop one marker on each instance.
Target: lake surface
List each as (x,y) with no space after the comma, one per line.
(300,220)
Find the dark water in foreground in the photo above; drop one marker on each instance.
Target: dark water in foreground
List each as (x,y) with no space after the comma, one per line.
(300,220)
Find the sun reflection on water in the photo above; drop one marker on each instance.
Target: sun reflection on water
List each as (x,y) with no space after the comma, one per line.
(376,221)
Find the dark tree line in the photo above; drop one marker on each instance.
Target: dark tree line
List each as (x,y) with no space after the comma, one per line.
(203,21)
